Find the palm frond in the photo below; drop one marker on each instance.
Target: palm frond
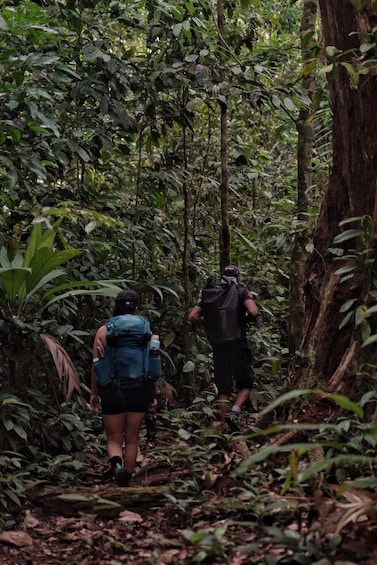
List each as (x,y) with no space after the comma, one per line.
(64,365)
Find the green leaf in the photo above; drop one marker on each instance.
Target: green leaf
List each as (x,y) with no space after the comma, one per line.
(346,235)
(191,58)
(83,154)
(327,69)
(13,496)
(188,367)
(284,398)
(271,450)
(370,340)
(347,269)
(3,24)
(177,29)
(371,310)
(346,319)
(361,312)
(344,402)
(14,400)
(288,103)
(347,305)
(20,432)
(13,281)
(340,460)
(354,75)
(247,241)
(364,47)
(8,424)
(184,434)
(331,51)
(275,101)
(201,74)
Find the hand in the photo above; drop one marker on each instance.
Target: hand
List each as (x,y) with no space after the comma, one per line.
(94,402)
(153,405)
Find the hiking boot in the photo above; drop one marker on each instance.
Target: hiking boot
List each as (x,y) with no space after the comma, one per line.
(233,421)
(122,477)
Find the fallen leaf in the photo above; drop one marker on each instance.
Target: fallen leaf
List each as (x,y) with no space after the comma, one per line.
(241,448)
(30,521)
(20,539)
(127,516)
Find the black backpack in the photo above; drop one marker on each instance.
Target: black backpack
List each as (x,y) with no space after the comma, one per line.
(221,307)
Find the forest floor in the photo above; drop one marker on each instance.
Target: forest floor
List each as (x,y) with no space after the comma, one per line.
(92,521)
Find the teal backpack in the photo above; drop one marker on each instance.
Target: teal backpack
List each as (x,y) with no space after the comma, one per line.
(127,354)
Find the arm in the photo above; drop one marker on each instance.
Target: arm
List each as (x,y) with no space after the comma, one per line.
(195,316)
(252,309)
(98,349)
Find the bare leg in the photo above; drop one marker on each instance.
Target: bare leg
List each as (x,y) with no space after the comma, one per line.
(242,397)
(223,404)
(132,424)
(114,433)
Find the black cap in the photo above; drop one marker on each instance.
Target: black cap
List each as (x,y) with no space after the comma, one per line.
(129,297)
(231,271)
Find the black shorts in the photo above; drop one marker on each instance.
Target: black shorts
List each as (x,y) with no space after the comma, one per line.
(126,396)
(232,361)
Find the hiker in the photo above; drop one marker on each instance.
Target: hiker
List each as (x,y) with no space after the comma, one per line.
(123,382)
(226,331)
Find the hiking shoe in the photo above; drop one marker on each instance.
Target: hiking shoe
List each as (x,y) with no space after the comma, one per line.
(233,421)
(122,477)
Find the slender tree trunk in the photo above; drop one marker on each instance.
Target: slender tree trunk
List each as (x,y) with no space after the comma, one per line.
(305,141)
(186,230)
(224,188)
(331,353)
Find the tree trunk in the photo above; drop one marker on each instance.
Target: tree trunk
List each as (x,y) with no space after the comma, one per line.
(332,353)
(224,230)
(305,141)
(186,227)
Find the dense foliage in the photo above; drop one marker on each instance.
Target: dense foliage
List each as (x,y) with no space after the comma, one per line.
(110,118)
(110,174)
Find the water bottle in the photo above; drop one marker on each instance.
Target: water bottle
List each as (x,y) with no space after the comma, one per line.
(154,358)
(155,344)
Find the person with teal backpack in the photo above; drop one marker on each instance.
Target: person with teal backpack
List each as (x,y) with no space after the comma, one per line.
(123,377)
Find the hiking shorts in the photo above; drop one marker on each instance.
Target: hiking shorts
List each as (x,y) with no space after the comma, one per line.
(232,361)
(125,397)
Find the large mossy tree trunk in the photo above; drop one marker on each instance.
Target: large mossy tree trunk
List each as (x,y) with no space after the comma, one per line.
(332,355)
(305,141)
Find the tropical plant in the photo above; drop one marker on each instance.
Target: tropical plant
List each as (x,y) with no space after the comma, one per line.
(30,277)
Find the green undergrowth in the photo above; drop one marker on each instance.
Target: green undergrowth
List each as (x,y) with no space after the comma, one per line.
(245,494)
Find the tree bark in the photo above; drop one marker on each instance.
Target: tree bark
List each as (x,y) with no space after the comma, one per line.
(331,354)
(305,142)
(224,185)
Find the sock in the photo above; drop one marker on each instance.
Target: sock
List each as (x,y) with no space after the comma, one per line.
(236,410)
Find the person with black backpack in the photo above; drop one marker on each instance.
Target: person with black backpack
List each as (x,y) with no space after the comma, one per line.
(124,372)
(225,309)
